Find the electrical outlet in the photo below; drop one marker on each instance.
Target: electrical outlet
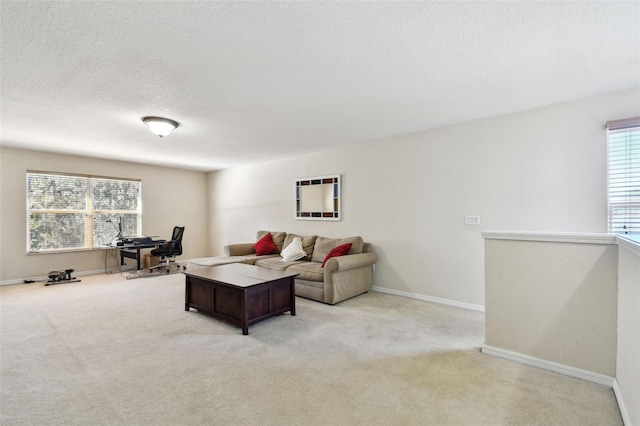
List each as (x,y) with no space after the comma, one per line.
(472,220)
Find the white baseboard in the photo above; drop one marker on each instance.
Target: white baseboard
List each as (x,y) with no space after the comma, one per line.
(455,303)
(551,366)
(75,274)
(621,405)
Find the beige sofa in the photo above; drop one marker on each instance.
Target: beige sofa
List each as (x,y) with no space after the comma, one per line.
(341,277)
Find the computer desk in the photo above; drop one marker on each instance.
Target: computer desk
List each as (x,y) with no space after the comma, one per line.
(132,250)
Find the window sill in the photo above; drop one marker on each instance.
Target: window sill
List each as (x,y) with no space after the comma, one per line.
(39,253)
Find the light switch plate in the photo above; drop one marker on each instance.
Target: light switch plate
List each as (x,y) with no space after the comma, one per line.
(472,220)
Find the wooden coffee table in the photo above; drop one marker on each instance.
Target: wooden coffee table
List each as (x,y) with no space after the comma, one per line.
(241,294)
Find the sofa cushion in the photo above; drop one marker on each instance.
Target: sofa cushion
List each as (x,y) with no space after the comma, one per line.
(308,271)
(278,238)
(277,263)
(251,259)
(265,245)
(307,243)
(293,251)
(341,250)
(323,246)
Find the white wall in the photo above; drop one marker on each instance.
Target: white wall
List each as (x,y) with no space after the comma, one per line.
(554,301)
(628,360)
(169,197)
(543,169)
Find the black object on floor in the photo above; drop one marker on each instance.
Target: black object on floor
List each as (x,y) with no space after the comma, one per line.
(61,277)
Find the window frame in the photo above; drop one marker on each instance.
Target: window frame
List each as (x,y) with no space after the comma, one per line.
(90,213)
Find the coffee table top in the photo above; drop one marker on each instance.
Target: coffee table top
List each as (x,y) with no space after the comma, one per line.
(240,274)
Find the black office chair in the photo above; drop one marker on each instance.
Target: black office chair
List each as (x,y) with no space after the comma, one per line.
(169,250)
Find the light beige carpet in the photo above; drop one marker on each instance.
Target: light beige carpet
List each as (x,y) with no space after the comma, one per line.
(111,351)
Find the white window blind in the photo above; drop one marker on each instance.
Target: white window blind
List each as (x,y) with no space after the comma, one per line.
(624,176)
(75,212)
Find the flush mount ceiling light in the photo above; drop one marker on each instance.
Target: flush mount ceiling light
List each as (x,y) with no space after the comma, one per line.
(159,125)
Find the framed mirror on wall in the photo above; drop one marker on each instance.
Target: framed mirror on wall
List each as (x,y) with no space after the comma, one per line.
(318,198)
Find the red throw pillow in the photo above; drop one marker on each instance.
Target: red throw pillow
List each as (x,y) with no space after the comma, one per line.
(337,251)
(265,245)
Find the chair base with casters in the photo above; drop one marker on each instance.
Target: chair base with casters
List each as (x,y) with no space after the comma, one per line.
(167,264)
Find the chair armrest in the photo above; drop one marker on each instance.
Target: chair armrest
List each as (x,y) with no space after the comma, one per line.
(242,249)
(166,243)
(351,261)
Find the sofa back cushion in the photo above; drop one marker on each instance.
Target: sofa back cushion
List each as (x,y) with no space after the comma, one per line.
(324,245)
(277,237)
(307,243)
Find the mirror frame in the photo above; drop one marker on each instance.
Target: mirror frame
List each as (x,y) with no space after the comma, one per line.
(331,215)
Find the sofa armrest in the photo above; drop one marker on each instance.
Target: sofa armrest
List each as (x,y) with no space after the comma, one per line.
(351,261)
(347,276)
(242,249)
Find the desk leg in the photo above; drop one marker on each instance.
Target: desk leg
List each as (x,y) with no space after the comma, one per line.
(132,253)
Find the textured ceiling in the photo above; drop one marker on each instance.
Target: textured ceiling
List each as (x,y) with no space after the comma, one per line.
(251,81)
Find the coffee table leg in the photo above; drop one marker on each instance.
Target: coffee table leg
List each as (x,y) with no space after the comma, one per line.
(245,314)
(187,293)
(293,296)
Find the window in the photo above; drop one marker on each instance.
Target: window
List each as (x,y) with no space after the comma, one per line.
(70,212)
(624,176)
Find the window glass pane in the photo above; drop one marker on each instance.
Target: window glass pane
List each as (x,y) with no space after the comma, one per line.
(50,231)
(110,194)
(56,192)
(130,224)
(106,232)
